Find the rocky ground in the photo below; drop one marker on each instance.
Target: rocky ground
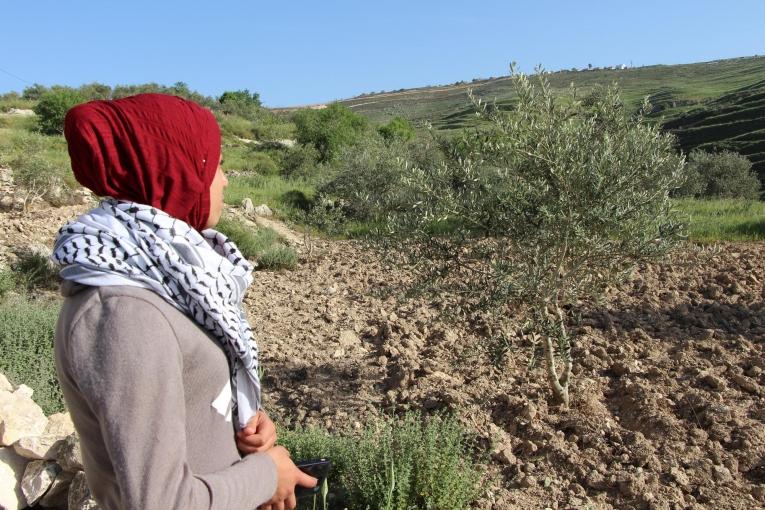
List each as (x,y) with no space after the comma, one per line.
(668,398)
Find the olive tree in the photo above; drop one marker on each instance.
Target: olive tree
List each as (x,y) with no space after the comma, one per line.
(540,207)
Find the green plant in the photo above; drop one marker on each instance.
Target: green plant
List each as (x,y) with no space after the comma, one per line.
(329,129)
(545,206)
(26,349)
(721,175)
(52,107)
(240,102)
(397,129)
(395,463)
(35,271)
(300,161)
(235,125)
(262,245)
(7,282)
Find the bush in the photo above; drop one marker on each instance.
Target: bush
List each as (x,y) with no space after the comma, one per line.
(26,349)
(33,270)
(52,108)
(329,129)
(261,163)
(40,164)
(395,463)
(235,125)
(721,175)
(397,129)
(300,161)
(7,282)
(262,245)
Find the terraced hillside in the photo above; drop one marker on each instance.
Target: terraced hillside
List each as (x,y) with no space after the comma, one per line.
(734,121)
(713,105)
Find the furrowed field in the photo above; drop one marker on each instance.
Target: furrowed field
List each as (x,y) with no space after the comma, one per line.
(492,313)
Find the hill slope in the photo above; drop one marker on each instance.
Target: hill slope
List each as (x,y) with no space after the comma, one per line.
(712,105)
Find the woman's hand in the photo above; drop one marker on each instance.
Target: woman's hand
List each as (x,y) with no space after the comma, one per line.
(287,476)
(259,435)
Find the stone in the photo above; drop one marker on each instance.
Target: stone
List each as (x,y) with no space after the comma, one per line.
(263,210)
(6,202)
(713,381)
(679,476)
(722,474)
(80,497)
(42,447)
(19,416)
(348,338)
(505,456)
(5,384)
(38,477)
(59,425)
(11,470)
(57,495)
(745,383)
(24,391)
(529,411)
(67,453)
(247,206)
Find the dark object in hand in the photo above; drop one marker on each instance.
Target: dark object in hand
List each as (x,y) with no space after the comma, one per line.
(317,468)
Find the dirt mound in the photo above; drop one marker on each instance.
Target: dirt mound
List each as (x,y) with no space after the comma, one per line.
(668,398)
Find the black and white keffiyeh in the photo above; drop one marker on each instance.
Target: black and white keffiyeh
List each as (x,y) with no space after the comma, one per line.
(203,274)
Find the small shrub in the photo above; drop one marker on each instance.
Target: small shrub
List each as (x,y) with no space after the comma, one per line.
(35,271)
(7,282)
(261,163)
(235,125)
(395,463)
(300,161)
(263,245)
(26,349)
(52,108)
(278,256)
(722,175)
(397,129)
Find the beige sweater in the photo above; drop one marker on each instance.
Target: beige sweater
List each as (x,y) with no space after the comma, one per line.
(140,378)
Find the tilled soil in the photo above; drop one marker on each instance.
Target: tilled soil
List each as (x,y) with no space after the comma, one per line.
(668,396)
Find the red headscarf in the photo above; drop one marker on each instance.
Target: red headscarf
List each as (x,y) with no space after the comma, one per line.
(153,149)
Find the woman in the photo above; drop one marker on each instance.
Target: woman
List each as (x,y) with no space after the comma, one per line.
(153,350)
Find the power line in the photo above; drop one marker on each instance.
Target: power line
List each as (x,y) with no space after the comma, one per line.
(14,76)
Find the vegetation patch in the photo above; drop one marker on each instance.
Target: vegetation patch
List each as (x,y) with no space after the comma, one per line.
(394,464)
(26,348)
(262,245)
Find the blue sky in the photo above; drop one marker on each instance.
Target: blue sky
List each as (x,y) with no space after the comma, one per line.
(308,52)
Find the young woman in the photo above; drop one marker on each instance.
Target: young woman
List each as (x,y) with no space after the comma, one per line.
(154,354)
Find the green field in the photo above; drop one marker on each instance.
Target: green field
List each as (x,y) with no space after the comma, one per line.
(724,220)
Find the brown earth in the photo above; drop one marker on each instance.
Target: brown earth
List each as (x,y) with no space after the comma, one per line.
(668,398)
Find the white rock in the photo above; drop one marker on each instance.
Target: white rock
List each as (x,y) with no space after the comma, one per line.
(348,338)
(11,470)
(19,416)
(37,479)
(263,210)
(80,497)
(5,384)
(247,206)
(43,446)
(24,391)
(59,425)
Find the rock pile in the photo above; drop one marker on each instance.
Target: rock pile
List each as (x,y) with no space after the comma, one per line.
(40,459)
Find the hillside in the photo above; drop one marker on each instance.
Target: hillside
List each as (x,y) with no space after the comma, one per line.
(712,105)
